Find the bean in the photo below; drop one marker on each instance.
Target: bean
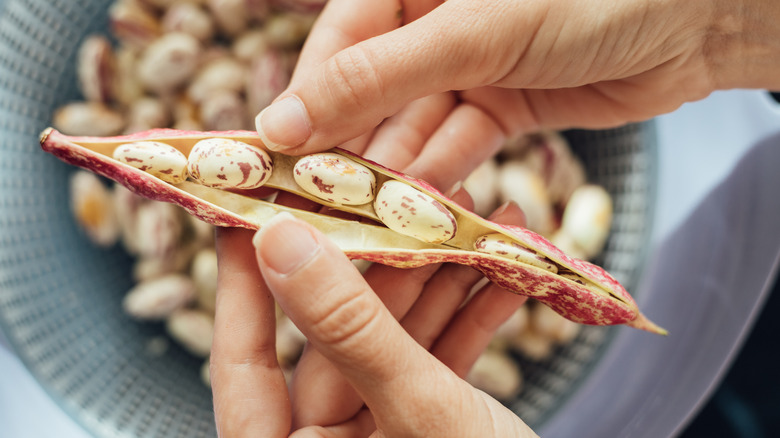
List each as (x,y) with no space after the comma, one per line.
(229,164)
(406,210)
(193,329)
(156,158)
(500,245)
(92,206)
(588,217)
(335,178)
(158,298)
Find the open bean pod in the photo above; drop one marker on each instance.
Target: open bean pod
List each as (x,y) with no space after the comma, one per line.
(531,265)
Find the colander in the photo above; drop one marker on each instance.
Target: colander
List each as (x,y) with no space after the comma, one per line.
(60,296)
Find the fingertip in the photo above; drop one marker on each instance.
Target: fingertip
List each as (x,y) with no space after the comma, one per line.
(285,244)
(509,213)
(284,124)
(461,196)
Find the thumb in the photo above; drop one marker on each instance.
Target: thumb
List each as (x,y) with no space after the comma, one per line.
(328,299)
(355,89)
(402,384)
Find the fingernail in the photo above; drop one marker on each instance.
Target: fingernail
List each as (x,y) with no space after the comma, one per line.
(285,244)
(500,210)
(284,124)
(454,189)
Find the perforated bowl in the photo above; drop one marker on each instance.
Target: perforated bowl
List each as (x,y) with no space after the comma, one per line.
(60,297)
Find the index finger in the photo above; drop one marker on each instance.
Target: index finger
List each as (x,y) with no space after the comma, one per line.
(250,393)
(343,23)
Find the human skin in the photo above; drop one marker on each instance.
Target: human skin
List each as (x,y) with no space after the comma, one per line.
(434,88)
(519,66)
(365,372)
(414,317)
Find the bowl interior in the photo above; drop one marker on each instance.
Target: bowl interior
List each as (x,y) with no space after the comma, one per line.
(60,296)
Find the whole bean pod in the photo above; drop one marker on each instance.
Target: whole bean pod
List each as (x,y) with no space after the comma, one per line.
(580,291)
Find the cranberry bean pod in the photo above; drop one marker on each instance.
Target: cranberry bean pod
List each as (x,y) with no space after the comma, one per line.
(580,291)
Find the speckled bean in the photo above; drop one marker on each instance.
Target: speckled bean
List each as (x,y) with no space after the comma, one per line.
(96,69)
(88,118)
(588,217)
(169,62)
(408,211)
(158,298)
(500,245)
(92,206)
(155,158)
(193,329)
(229,164)
(335,178)
(496,374)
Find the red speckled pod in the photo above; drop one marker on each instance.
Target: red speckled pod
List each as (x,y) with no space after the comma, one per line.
(579,290)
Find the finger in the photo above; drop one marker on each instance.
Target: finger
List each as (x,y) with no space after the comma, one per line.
(359,86)
(400,138)
(440,299)
(338,27)
(360,426)
(448,289)
(250,394)
(358,144)
(316,377)
(344,23)
(465,139)
(473,327)
(327,298)
(509,108)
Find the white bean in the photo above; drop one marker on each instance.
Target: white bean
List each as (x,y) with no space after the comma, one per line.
(204,274)
(92,207)
(496,374)
(223,110)
(88,118)
(96,69)
(408,211)
(189,18)
(224,73)
(192,329)
(169,62)
(159,228)
(481,185)
(157,299)
(335,178)
(147,113)
(499,245)
(519,183)
(229,164)
(155,158)
(548,323)
(588,217)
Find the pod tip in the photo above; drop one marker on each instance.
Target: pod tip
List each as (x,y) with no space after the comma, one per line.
(643,323)
(45,134)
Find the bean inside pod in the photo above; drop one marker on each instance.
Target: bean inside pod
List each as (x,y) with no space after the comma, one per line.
(586,294)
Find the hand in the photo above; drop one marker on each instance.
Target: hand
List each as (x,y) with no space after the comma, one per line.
(520,66)
(407,373)
(411,367)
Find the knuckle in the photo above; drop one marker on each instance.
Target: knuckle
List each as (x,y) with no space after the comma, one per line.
(345,322)
(354,77)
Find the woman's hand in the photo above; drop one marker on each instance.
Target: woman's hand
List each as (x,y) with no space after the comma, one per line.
(391,344)
(519,66)
(387,352)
